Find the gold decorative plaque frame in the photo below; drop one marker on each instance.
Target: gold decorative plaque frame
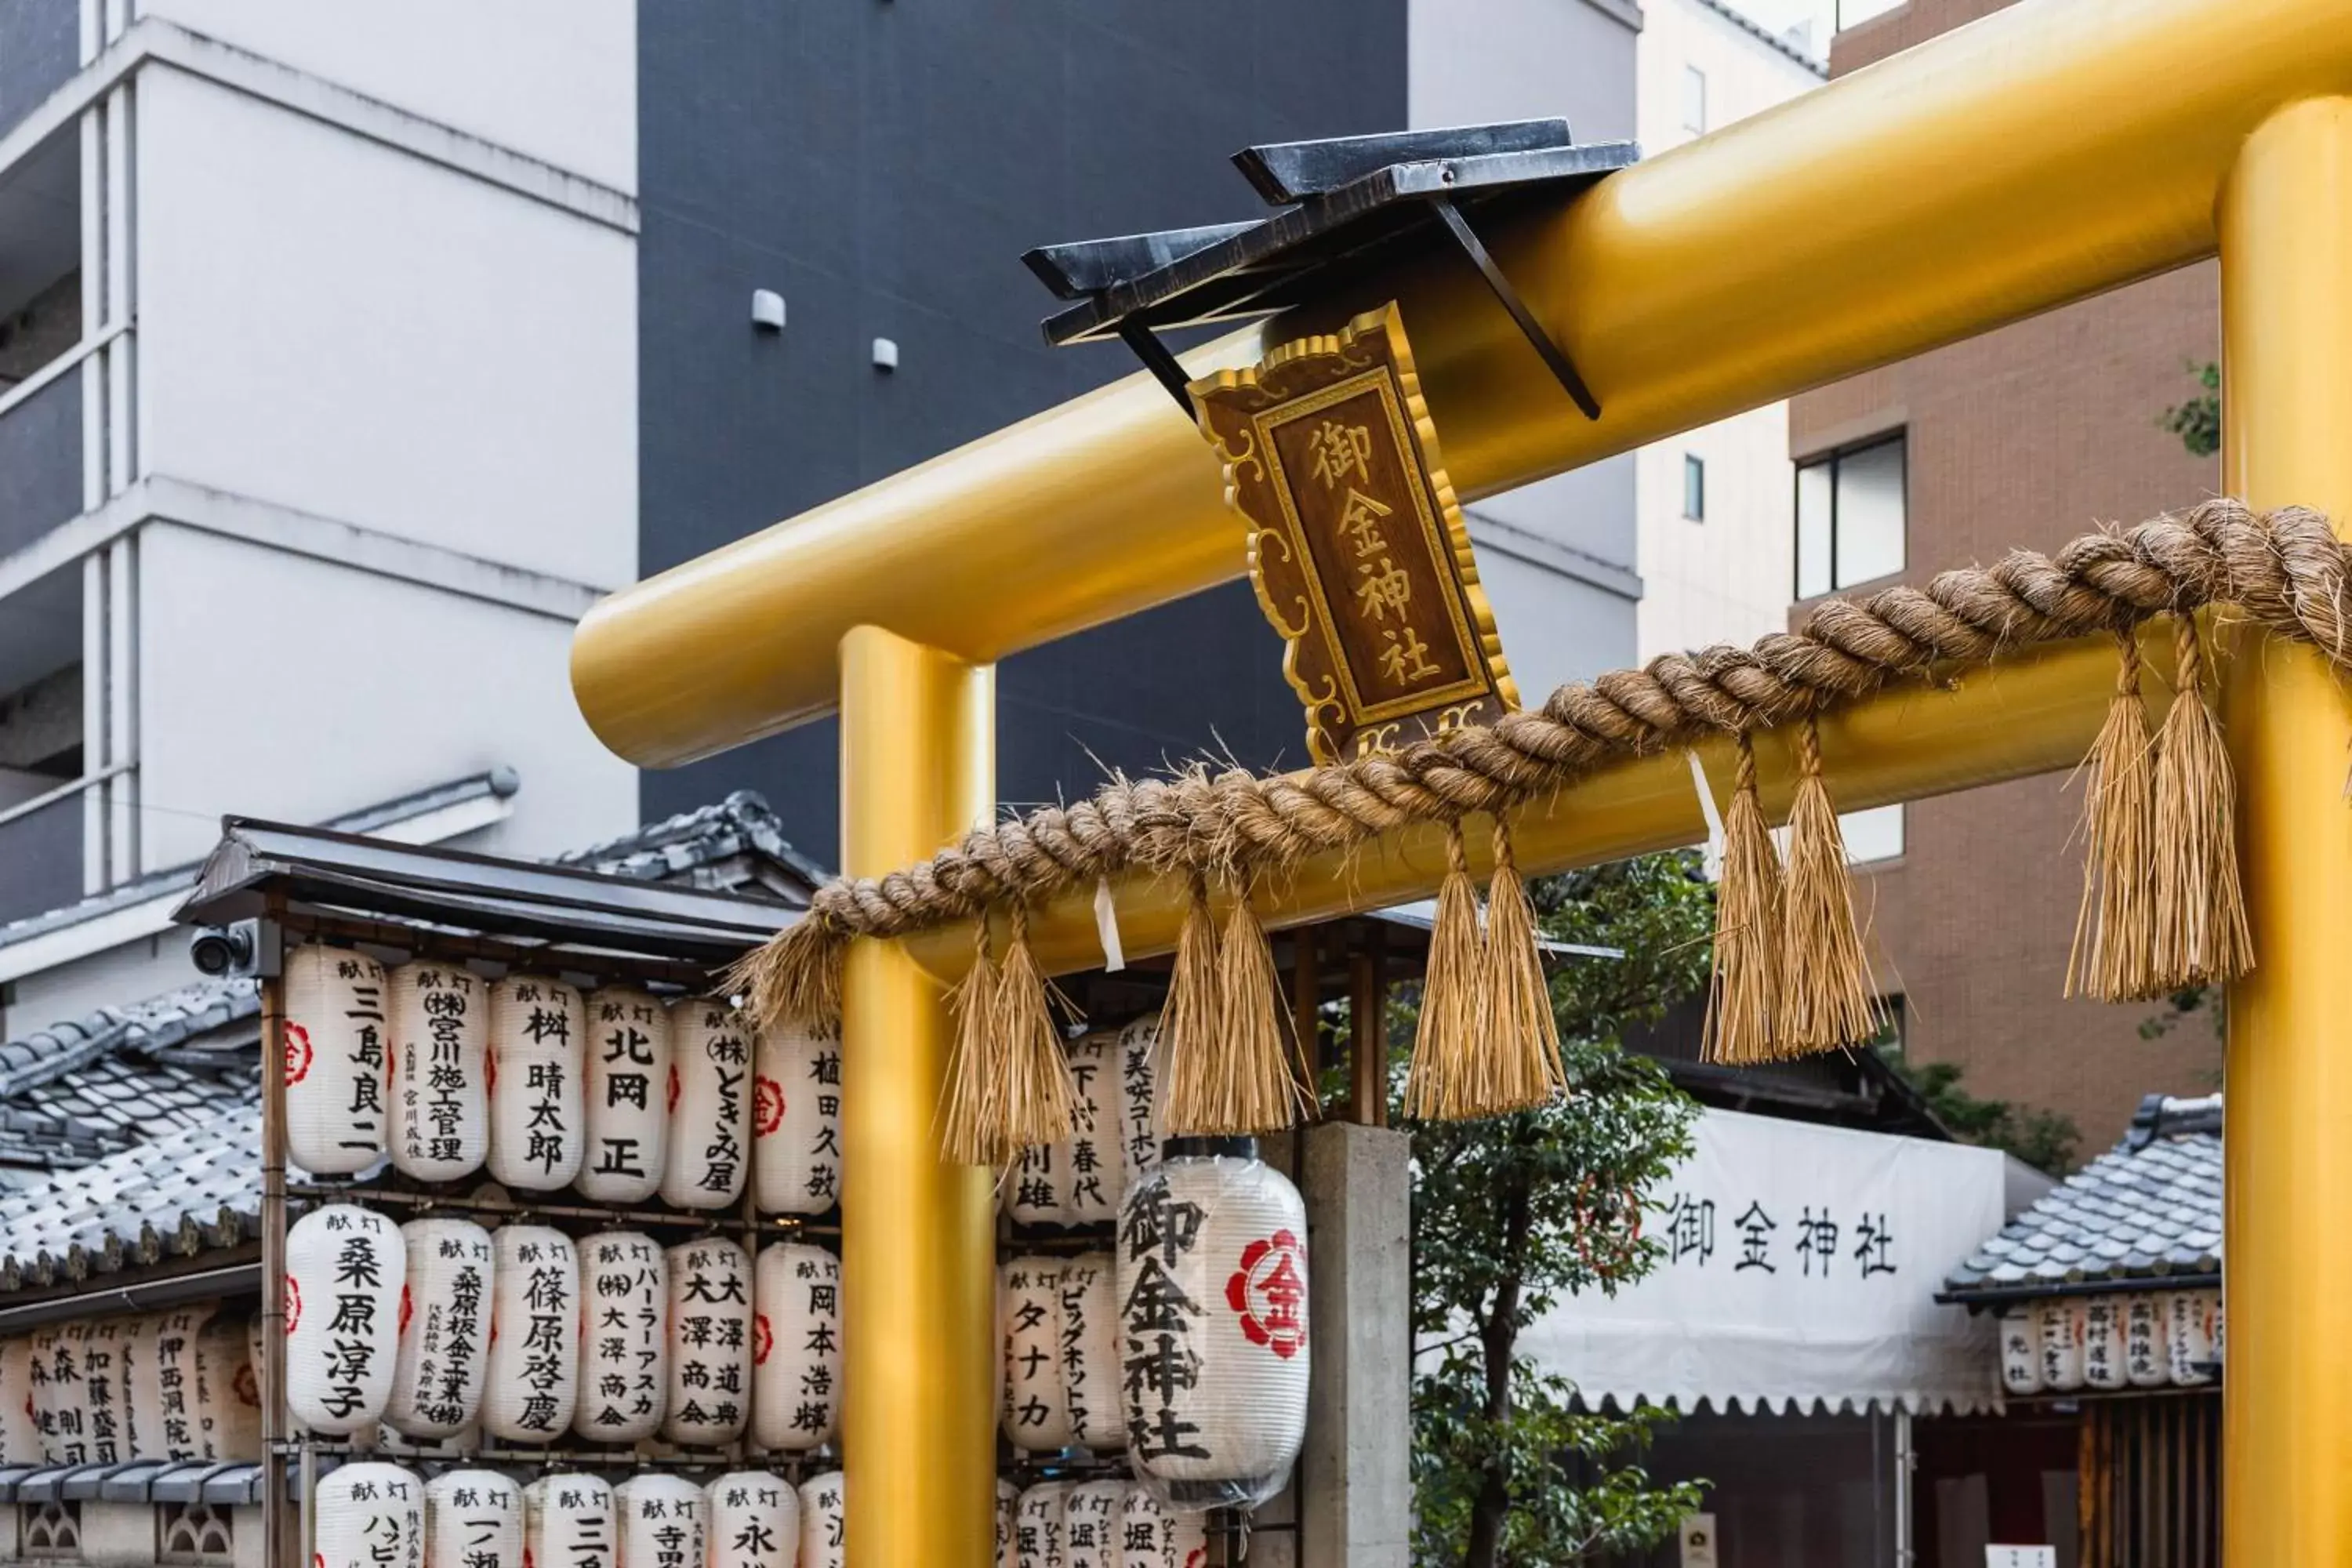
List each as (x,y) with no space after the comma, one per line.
(1356,546)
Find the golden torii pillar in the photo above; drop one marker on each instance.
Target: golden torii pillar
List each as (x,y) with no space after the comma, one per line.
(2047,153)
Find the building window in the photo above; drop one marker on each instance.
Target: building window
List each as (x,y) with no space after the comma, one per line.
(1875,834)
(1852,515)
(1693,488)
(1695,100)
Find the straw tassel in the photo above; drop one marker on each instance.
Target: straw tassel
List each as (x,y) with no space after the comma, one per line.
(2200,909)
(1744,996)
(970,1124)
(1037,1102)
(1192,1018)
(1522,1036)
(1250,1084)
(1826,998)
(1443,1081)
(2113,956)
(795,978)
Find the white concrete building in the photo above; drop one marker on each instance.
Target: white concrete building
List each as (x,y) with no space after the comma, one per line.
(1715,505)
(318,431)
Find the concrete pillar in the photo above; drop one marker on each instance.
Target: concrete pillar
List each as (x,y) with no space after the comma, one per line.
(1355,1483)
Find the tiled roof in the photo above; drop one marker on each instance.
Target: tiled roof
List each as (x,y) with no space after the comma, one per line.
(178,1196)
(74,1092)
(2148,1208)
(735,845)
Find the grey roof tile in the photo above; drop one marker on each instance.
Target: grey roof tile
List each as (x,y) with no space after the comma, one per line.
(736,845)
(2148,1208)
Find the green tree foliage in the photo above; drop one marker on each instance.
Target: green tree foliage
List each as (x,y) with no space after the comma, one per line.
(2044,1139)
(1514,1214)
(2198,422)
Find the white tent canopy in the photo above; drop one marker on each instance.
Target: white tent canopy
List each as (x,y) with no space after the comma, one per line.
(1799,1273)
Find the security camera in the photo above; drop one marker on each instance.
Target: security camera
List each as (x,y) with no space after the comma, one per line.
(230,950)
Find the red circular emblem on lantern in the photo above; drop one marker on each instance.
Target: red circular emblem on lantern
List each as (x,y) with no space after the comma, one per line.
(293,1305)
(298,1053)
(490,1070)
(672,1086)
(1269,1291)
(248,1391)
(407,1309)
(766,1107)
(763,1339)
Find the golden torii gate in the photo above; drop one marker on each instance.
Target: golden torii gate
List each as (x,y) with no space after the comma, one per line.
(2049,151)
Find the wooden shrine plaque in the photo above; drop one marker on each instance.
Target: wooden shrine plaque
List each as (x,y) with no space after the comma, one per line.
(1357,549)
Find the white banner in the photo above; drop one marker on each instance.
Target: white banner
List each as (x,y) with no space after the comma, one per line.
(1799,1271)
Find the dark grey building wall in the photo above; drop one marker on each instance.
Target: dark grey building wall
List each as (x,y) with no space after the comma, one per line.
(40,45)
(882,164)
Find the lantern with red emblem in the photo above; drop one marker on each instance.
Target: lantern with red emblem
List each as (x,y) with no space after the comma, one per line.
(795,1347)
(337,1059)
(444,1329)
(796,1119)
(345,1266)
(1213,1276)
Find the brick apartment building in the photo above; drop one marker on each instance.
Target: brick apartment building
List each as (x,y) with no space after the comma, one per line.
(2025,436)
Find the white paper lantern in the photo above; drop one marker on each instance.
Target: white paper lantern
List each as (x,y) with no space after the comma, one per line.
(710,1154)
(336,1059)
(1077,1181)
(2104,1350)
(2189,1319)
(1037,1528)
(1091,1525)
(20,1427)
(440,1029)
(823,1521)
(370,1515)
(139,1393)
(534,1072)
(444,1329)
(1036,1409)
(1008,1517)
(228,1393)
(345,1266)
(473,1519)
(1213,1283)
(2021,1350)
(2146,1362)
(711,1343)
(1090,1360)
(177,1418)
(99,1428)
(796,1120)
(624,1350)
(568,1522)
(626,1090)
(533,1369)
(661,1522)
(752,1520)
(1155,1537)
(795,1347)
(2062,1333)
(1142,1064)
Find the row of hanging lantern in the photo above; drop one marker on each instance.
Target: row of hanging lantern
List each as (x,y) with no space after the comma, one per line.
(2140,1338)
(1185,1343)
(439,1328)
(178,1385)
(615,1091)
(1095,1524)
(379,1515)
